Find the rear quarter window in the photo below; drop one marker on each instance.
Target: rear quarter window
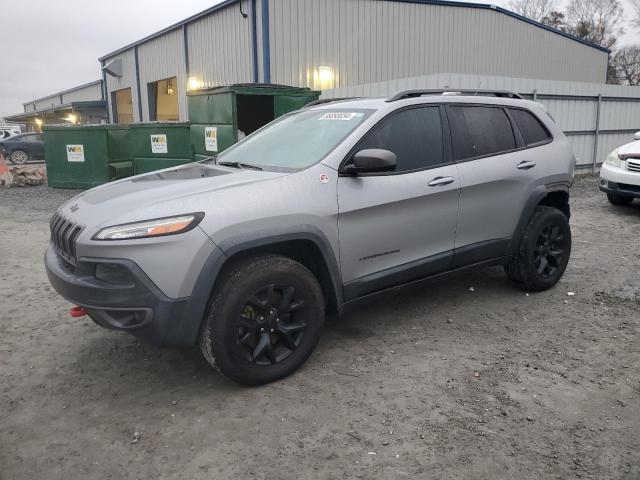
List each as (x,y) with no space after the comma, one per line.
(533,131)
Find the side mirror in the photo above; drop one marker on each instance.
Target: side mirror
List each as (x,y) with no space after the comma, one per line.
(371,160)
(636,136)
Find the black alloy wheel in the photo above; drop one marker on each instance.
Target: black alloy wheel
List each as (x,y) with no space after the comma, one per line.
(549,251)
(264,320)
(271,325)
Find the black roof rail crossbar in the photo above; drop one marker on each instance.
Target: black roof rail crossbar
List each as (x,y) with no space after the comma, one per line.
(438,91)
(328,100)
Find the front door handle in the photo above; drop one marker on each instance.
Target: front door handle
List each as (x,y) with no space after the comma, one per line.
(439,181)
(526,165)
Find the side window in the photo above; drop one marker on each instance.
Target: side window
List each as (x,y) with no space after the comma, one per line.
(478,131)
(414,135)
(533,132)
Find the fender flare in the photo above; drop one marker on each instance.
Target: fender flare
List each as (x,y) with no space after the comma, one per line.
(187,329)
(534,199)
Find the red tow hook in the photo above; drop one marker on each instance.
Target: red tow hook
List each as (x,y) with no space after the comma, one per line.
(77,312)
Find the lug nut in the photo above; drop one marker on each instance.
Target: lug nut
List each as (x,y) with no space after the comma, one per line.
(277,320)
(262,329)
(272,330)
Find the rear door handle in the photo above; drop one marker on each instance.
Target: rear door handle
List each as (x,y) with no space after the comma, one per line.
(439,181)
(526,165)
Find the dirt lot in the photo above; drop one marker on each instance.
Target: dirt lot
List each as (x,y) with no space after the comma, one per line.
(441,383)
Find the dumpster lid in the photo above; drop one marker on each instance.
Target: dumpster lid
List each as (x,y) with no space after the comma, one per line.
(255,88)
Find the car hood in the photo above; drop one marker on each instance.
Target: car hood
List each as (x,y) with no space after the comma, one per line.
(630,150)
(167,192)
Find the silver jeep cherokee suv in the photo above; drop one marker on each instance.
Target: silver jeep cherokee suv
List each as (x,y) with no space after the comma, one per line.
(325,206)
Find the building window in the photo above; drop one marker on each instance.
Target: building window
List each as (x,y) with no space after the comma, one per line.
(122,104)
(163,100)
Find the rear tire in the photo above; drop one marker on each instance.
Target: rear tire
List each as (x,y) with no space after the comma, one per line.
(264,320)
(543,252)
(619,200)
(19,157)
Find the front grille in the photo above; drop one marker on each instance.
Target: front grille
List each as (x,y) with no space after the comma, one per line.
(63,236)
(633,165)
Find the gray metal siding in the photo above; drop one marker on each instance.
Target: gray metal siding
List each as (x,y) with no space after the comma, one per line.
(128,80)
(220,47)
(162,58)
(88,93)
(371,41)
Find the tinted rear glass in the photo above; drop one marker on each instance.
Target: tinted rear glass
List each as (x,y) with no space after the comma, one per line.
(478,131)
(414,135)
(532,130)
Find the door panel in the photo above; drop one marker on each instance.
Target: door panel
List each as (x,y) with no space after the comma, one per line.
(496,176)
(392,220)
(493,194)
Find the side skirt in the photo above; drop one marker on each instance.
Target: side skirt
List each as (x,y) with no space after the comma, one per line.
(353,303)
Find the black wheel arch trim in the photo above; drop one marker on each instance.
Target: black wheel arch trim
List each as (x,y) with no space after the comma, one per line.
(536,196)
(188,329)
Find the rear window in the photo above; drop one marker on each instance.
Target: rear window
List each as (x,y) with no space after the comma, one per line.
(477,131)
(533,132)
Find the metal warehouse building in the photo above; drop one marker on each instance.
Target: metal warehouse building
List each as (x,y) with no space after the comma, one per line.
(334,44)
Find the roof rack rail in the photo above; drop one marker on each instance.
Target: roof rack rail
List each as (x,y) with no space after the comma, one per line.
(327,100)
(452,91)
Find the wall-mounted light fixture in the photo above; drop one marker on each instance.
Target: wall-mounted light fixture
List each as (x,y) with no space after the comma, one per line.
(323,78)
(194,83)
(72,118)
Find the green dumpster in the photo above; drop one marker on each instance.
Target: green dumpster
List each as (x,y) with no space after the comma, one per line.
(76,156)
(120,164)
(160,140)
(223,115)
(146,165)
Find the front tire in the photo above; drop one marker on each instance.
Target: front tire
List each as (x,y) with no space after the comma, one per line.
(619,200)
(543,252)
(19,157)
(264,320)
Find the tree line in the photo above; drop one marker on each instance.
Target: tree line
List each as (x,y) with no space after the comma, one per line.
(596,21)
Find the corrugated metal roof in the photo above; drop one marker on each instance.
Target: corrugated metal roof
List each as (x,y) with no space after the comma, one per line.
(446,3)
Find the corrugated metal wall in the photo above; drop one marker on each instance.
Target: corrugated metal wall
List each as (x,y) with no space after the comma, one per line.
(369,41)
(128,80)
(220,47)
(573,105)
(88,92)
(162,58)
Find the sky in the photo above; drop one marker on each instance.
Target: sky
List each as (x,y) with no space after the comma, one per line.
(53,45)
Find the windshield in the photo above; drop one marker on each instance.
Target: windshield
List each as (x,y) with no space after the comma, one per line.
(295,141)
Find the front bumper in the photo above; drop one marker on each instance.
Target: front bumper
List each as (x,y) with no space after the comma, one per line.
(131,302)
(618,181)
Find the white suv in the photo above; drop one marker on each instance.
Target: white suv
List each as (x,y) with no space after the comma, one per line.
(620,173)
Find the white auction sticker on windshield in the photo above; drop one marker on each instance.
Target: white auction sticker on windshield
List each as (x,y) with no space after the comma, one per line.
(340,115)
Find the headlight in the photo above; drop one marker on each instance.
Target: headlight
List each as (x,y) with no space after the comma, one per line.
(151,228)
(614,160)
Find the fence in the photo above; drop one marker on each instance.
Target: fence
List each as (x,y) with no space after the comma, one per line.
(596,118)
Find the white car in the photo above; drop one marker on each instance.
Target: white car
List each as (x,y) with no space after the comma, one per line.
(620,173)
(7,131)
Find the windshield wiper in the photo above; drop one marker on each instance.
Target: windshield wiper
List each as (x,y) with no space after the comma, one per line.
(239,165)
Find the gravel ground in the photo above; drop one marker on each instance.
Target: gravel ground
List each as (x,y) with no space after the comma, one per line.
(441,382)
